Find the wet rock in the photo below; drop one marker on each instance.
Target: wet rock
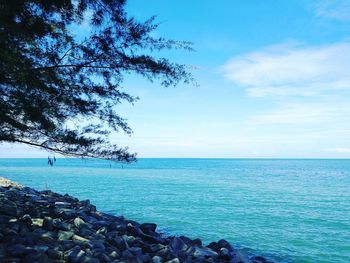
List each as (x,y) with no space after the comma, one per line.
(240,257)
(174,260)
(258,259)
(59,224)
(19,250)
(196,242)
(177,244)
(224,254)
(48,223)
(223,243)
(214,246)
(148,228)
(37,257)
(38,222)
(74,255)
(79,223)
(27,219)
(65,235)
(7,207)
(48,227)
(55,254)
(114,254)
(203,252)
(157,259)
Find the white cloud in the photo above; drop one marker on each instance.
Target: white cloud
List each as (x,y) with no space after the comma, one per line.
(340,150)
(333,9)
(291,70)
(305,113)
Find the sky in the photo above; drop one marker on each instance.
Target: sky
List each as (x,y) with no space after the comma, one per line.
(274,82)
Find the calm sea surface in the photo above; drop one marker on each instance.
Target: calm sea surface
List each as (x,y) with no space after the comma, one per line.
(290,210)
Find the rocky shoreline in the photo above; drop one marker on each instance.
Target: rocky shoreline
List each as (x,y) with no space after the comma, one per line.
(43,226)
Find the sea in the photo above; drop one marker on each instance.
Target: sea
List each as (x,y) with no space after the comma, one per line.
(288,210)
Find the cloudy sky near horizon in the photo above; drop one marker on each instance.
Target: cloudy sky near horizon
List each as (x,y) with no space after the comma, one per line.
(274,82)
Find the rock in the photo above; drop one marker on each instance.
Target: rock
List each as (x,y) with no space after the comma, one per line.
(59,224)
(196,242)
(38,222)
(157,259)
(55,254)
(7,207)
(240,257)
(47,237)
(135,250)
(65,235)
(114,254)
(79,223)
(26,219)
(223,243)
(224,254)
(102,258)
(19,250)
(203,252)
(258,259)
(214,246)
(148,228)
(132,230)
(177,245)
(74,255)
(151,239)
(144,258)
(155,247)
(4,219)
(40,248)
(36,257)
(79,238)
(62,204)
(120,243)
(48,223)
(174,260)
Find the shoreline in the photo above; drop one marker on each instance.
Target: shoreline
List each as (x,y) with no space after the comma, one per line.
(43,226)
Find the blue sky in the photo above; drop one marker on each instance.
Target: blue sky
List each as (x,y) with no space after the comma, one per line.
(274,81)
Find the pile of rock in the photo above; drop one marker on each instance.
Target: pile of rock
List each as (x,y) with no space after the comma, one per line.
(49,227)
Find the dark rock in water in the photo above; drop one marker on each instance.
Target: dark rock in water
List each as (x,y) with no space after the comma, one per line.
(196,242)
(148,228)
(223,243)
(203,252)
(177,244)
(240,257)
(259,259)
(224,254)
(151,239)
(166,254)
(45,227)
(214,246)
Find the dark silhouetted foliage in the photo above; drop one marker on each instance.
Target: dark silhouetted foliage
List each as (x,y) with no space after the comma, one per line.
(59,89)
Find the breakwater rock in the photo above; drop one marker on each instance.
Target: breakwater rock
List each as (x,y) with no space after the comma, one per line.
(43,226)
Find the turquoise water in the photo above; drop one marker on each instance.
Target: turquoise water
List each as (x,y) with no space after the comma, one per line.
(295,210)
